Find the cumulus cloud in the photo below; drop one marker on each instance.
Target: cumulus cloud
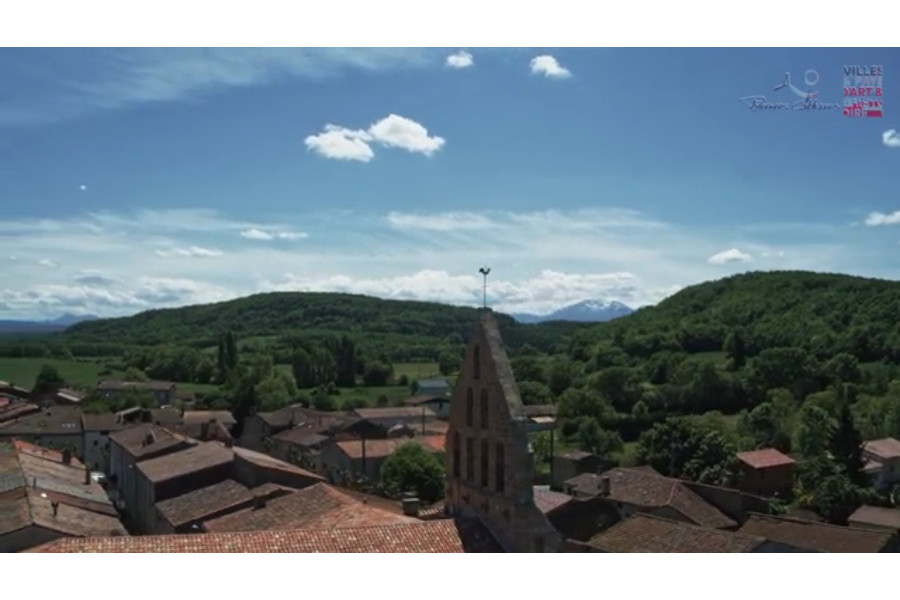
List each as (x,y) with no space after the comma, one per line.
(877,219)
(258,234)
(729,256)
(891,138)
(460,60)
(46,262)
(342,143)
(190,252)
(95,279)
(548,66)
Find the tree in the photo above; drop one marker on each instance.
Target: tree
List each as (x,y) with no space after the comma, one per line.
(413,468)
(528,368)
(685,448)
(559,375)
(345,362)
(813,431)
(735,349)
(846,446)
(377,374)
(48,380)
(449,363)
(533,392)
(836,498)
(134,374)
(594,439)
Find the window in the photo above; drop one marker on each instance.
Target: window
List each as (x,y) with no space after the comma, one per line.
(470,459)
(500,468)
(470,406)
(476,362)
(484,463)
(456,455)
(484,409)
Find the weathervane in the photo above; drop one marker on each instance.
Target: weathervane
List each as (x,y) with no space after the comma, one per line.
(485,271)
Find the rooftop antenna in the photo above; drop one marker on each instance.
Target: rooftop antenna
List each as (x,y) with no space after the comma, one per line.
(485,271)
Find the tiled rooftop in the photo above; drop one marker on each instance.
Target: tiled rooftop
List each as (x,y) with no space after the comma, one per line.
(884,449)
(200,457)
(877,516)
(394,412)
(305,436)
(424,399)
(24,447)
(134,440)
(547,500)
(817,537)
(384,448)
(104,422)
(200,504)
(268,462)
(320,506)
(765,458)
(647,489)
(444,536)
(646,533)
(57,420)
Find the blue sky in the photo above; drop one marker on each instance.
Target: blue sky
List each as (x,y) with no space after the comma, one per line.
(137,178)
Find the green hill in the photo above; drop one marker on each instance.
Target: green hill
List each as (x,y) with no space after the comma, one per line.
(824,313)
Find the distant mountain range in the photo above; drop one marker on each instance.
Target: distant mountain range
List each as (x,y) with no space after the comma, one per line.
(58,324)
(587,311)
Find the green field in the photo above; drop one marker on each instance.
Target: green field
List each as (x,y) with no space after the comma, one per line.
(81,373)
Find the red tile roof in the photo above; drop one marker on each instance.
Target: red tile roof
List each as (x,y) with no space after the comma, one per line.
(817,537)
(445,536)
(200,504)
(318,507)
(207,455)
(647,533)
(877,516)
(386,447)
(547,500)
(765,458)
(45,453)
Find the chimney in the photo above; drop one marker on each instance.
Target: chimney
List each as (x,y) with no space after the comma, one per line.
(604,486)
(67,457)
(55,506)
(411,507)
(259,502)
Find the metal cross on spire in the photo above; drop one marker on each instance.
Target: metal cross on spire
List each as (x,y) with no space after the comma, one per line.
(485,271)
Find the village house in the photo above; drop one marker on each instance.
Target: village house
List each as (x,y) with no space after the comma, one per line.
(364,458)
(571,464)
(876,517)
(12,407)
(58,428)
(163,392)
(882,461)
(443,536)
(798,535)
(490,461)
(432,387)
(377,423)
(261,427)
(648,533)
(300,446)
(438,404)
(47,495)
(97,429)
(766,472)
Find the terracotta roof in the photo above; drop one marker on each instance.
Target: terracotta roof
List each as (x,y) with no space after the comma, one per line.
(198,458)
(104,422)
(885,448)
(46,453)
(16,409)
(305,436)
(297,415)
(268,462)
(386,447)
(817,537)
(765,458)
(320,506)
(70,520)
(202,503)
(134,440)
(444,536)
(876,515)
(57,420)
(394,412)
(647,489)
(547,500)
(647,533)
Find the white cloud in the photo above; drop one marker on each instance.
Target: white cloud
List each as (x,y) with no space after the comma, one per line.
(540,259)
(258,234)
(46,262)
(341,143)
(891,138)
(192,252)
(729,256)
(876,219)
(73,84)
(548,66)
(460,60)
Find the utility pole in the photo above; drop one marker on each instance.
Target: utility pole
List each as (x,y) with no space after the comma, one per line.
(485,271)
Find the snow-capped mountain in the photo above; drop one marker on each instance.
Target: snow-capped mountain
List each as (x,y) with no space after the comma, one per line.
(587,311)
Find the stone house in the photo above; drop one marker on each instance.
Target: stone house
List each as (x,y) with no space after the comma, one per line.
(766,472)
(57,428)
